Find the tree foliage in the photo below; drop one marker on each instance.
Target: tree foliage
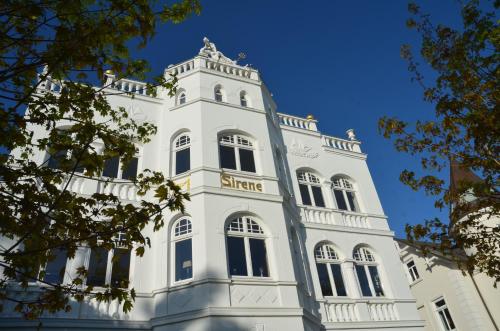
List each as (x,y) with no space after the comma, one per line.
(75,41)
(465,129)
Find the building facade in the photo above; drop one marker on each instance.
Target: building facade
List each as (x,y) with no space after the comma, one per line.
(448,299)
(284,230)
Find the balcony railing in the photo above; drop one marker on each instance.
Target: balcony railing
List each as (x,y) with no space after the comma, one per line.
(298,122)
(310,214)
(341,312)
(383,311)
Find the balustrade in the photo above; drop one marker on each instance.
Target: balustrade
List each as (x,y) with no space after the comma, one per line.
(297,122)
(123,190)
(130,86)
(317,215)
(342,144)
(341,312)
(382,311)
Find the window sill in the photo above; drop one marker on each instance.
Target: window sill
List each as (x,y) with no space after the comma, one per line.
(182,283)
(250,280)
(415,282)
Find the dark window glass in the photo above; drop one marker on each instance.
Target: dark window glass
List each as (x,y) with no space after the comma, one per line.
(259,257)
(237,259)
(318,196)
(363,281)
(227,157)
(352,201)
(54,270)
(218,95)
(182,161)
(130,170)
(304,194)
(324,281)
(338,279)
(97,267)
(339,197)
(121,267)
(183,260)
(56,158)
(247,161)
(243,101)
(377,284)
(450,320)
(111,167)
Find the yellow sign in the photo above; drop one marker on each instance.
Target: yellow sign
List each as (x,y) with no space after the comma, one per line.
(184,185)
(238,184)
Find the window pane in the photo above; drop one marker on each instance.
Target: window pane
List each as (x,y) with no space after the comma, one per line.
(183,260)
(97,267)
(363,281)
(318,196)
(54,270)
(56,158)
(247,161)
(130,170)
(339,197)
(111,167)
(227,157)
(377,284)
(182,161)
(304,194)
(259,258)
(352,201)
(338,279)
(324,281)
(443,320)
(236,254)
(449,319)
(121,267)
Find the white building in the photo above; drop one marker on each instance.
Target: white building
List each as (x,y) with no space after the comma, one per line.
(448,299)
(284,230)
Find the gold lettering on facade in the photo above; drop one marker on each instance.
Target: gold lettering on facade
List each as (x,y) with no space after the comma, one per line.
(231,182)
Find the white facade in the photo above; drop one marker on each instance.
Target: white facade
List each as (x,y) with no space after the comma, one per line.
(220,103)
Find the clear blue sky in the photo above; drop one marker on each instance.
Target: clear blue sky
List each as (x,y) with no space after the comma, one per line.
(338,60)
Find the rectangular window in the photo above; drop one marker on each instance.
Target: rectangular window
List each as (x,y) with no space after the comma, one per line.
(236,256)
(304,194)
(121,267)
(324,280)
(444,315)
(339,197)
(182,161)
(56,158)
(97,267)
(412,270)
(363,281)
(130,170)
(227,157)
(377,284)
(111,167)
(259,258)
(183,260)
(247,161)
(318,196)
(338,279)
(55,269)
(352,201)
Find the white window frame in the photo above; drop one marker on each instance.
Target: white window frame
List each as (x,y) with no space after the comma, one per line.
(246,235)
(345,185)
(412,271)
(179,145)
(236,141)
(244,99)
(109,263)
(367,258)
(437,310)
(182,98)
(176,238)
(327,260)
(218,91)
(310,180)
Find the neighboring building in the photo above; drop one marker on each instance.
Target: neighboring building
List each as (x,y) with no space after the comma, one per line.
(284,230)
(448,299)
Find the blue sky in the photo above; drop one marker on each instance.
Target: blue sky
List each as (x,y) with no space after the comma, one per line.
(338,60)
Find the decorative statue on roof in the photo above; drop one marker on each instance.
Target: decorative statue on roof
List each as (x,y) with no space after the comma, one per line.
(209,50)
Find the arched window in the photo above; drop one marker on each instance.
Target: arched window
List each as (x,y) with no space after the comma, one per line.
(182,154)
(367,272)
(236,152)
(246,248)
(182,98)
(329,271)
(243,99)
(182,249)
(62,158)
(218,96)
(344,193)
(310,189)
